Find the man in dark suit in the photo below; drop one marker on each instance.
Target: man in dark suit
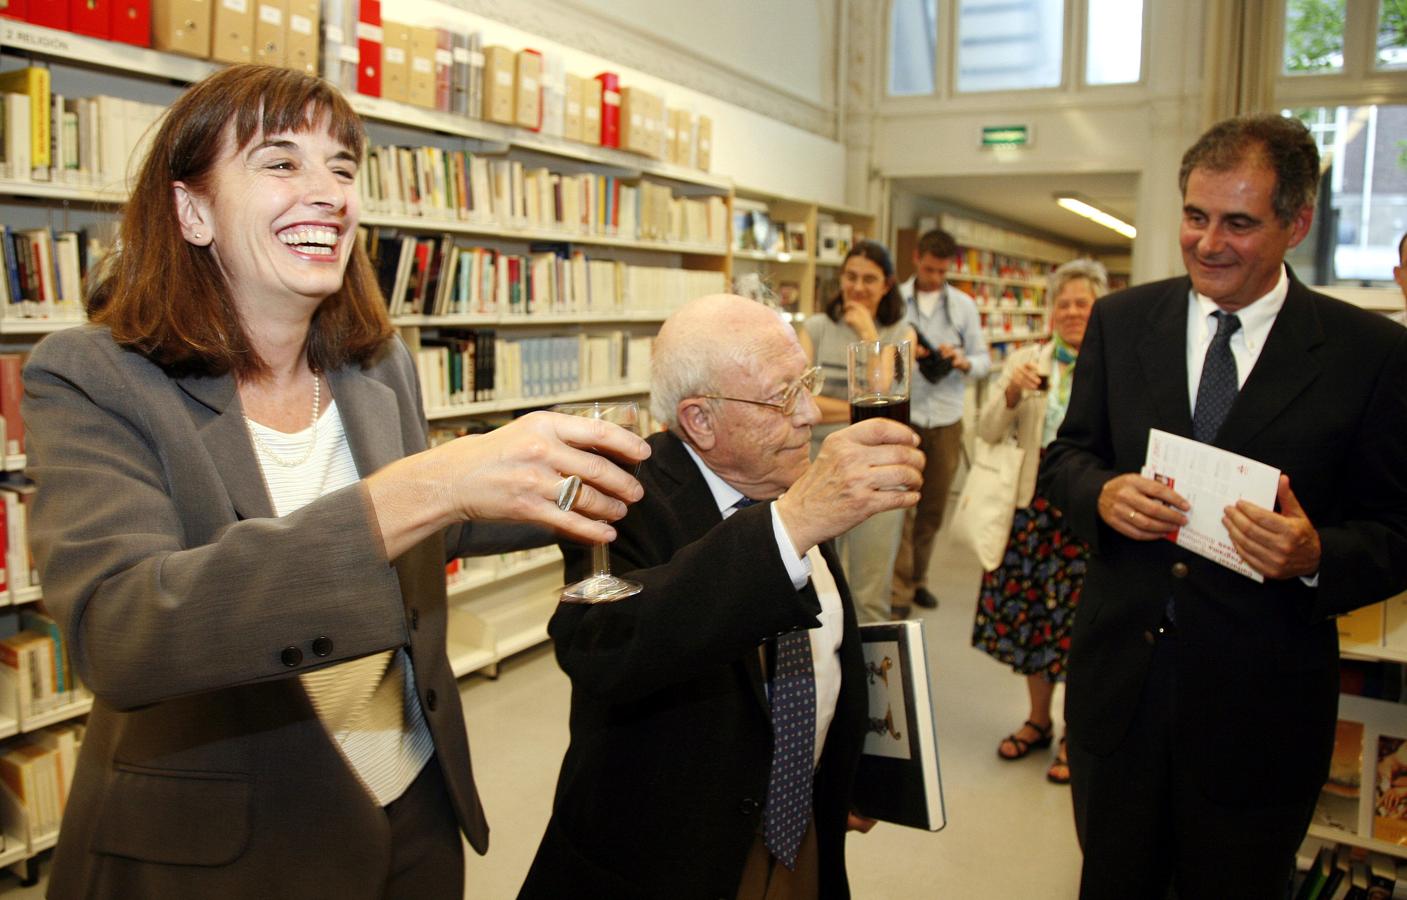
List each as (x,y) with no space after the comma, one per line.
(1201,703)
(669,787)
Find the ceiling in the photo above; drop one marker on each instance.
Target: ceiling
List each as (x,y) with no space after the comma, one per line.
(1029,200)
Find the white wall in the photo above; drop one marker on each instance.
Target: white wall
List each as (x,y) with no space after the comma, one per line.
(788,43)
(1140,128)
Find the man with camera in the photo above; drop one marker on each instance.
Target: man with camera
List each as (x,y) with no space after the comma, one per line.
(952,347)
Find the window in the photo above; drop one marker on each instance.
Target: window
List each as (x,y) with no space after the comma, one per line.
(1114,41)
(1009,44)
(1314,36)
(1392,34)
(1366,187)
(913,40)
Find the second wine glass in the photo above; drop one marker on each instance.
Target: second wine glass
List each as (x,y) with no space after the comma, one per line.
(601,586)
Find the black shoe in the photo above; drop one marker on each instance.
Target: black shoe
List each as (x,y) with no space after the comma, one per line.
(924,599)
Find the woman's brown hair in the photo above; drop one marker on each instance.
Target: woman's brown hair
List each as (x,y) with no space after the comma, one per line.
(166,298)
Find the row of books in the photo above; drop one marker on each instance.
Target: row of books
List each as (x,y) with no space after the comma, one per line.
(89,142)
(971,261)
(36,776)
(436,275)
(43,272)
(459,367)
(1008,323)
(492,191)
(989,295)
(1342,872)
(35,666)
(18,569)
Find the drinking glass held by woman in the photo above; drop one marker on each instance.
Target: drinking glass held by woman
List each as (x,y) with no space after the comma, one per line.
(1027,603)
(243,535)
(867,308)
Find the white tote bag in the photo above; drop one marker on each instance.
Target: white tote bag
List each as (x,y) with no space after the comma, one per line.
(988,501)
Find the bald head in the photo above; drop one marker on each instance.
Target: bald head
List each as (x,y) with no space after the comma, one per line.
(704,341)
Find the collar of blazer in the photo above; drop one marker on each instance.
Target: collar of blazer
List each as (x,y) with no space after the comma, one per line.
(687,490)
(1286,365)
(368,409)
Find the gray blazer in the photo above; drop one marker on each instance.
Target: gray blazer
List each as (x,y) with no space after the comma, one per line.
(188,607)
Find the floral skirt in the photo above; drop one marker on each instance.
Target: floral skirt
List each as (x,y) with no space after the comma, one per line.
(1027,603)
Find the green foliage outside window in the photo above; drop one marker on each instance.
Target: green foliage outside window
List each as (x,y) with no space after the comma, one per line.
(1314,35)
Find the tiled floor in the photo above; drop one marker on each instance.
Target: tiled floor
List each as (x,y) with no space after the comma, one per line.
(1009,832)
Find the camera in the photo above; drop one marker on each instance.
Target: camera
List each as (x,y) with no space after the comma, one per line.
(935,366)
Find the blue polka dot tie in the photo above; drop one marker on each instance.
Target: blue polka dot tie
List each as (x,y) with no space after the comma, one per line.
(788,809)
(1216,392)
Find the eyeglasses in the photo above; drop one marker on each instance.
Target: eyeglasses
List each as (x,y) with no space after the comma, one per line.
(809,381)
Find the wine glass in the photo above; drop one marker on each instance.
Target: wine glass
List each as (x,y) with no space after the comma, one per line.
(601,586)
(879,380)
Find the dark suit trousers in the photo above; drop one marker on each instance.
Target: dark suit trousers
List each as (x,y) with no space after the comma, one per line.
(1143,824)
(427,853)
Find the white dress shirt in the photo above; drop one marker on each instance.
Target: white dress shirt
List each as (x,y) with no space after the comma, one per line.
(825,640)
(1246,343)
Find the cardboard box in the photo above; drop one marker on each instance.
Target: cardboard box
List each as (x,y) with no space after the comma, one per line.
(527,93)
(610,108)
(232,31)
(395,61)
(572,120)
(591,112)
(683,152)
(1362,629)
(638,125)
(421,78)
(703,143)
(270,31)
(499,65)
(301,42)
(181,26)
(1395,626)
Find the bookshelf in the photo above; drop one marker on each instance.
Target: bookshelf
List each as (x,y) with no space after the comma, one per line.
(794,247)
(501,606)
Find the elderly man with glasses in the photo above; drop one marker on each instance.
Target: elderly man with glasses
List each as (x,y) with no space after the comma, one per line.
(718,715)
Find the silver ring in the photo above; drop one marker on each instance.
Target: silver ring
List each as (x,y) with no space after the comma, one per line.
(567,489)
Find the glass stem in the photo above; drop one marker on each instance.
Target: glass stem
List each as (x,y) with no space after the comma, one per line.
(601,559)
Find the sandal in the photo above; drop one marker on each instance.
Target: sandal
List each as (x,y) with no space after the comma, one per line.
(1059,771)
(1023,746)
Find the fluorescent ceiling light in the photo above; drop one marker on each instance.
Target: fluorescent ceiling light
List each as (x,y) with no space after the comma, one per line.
(1083,208)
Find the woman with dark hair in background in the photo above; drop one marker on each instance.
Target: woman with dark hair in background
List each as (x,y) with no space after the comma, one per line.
(243,535)
(867,308)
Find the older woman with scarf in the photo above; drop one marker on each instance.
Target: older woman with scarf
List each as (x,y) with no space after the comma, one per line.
(1027,603)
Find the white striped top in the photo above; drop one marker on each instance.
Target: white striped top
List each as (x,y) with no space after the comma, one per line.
(368,705)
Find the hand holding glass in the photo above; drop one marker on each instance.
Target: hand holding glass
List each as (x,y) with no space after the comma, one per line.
(879,374)
(601,586)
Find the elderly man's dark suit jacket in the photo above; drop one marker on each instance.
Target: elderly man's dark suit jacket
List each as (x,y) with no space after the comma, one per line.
(1327,404)
(662,787)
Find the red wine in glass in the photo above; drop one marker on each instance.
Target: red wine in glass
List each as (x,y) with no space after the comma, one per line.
(875,406)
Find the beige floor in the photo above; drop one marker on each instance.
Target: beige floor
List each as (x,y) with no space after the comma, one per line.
(1009,832)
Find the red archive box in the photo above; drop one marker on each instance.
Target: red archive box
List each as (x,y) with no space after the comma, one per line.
(14,9)
(610,109)
(131,22)
(49,13)
(90,17)
(369,39)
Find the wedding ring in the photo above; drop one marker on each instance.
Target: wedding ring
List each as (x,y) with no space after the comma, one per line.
(1133,514)
(567,489)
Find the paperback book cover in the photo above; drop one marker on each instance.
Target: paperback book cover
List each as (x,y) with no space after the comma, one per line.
(898,779)
(1390,794)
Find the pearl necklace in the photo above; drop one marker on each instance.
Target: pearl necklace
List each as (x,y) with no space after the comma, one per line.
(312,439)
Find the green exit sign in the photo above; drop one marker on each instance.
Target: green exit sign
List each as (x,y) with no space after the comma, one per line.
(1006,135)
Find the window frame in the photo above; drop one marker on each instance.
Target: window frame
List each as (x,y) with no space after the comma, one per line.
(1360,83)
(1074,55)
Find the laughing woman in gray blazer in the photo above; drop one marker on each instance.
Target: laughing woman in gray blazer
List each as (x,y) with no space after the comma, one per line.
(243,535)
